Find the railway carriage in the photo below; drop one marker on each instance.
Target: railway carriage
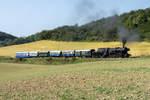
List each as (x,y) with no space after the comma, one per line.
(55,53)
(68,53)
(33,54)
(43,54)
(84,53)
(22,54)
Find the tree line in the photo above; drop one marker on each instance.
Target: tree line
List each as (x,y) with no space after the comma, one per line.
(104,30)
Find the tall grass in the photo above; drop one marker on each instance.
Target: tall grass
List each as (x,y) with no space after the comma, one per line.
(137,49)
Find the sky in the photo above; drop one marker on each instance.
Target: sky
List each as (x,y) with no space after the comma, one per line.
(25,17)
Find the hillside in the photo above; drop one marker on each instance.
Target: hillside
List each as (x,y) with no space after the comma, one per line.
(137,49)
(4,36)
(133,26)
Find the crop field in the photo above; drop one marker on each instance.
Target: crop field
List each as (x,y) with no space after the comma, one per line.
(109,79)
(137,49)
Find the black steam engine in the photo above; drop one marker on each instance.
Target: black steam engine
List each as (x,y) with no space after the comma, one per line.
(113,52)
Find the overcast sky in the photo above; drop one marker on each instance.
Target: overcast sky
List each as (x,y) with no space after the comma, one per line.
(26,17)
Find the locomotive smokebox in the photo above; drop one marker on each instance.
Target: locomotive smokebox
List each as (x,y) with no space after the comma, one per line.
(124,41)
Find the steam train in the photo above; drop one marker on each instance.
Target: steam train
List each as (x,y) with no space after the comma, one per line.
(100,53)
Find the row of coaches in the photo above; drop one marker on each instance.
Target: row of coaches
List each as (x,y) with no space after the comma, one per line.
(65,53)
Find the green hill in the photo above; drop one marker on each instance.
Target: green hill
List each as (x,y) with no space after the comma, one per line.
(132,26)
(5,36)
(106,29)
(6,39)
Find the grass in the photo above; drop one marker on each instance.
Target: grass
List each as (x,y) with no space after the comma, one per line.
(137,49)
(110,79)
(48,60)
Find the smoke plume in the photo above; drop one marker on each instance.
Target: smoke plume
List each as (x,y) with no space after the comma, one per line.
(87,11)
(124,34)
(129,35)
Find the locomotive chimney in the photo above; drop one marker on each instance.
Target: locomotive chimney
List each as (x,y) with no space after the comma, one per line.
(124,41)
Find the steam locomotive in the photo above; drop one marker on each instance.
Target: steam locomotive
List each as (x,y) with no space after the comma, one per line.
(100,53)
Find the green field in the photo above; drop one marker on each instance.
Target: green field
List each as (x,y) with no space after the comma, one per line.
(110,79)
